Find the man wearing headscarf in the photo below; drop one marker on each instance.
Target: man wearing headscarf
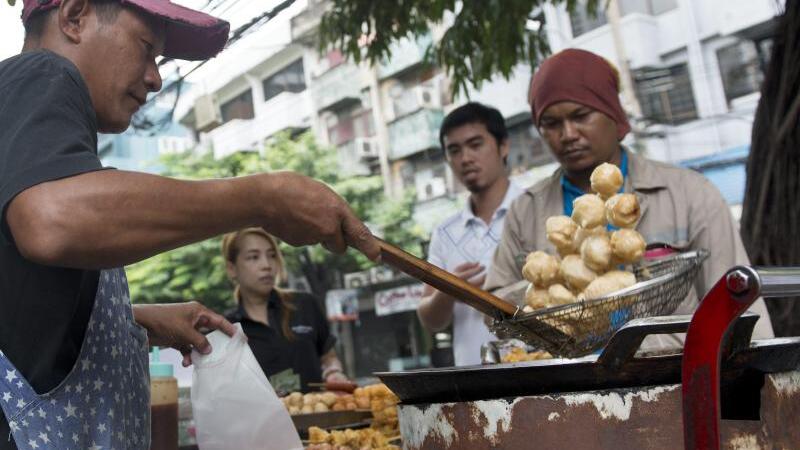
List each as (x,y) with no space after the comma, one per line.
(574,98)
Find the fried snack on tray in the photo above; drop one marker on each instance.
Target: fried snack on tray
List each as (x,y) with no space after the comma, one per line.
(517,354)
(362,439)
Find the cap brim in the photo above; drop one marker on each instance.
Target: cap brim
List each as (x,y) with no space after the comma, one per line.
(190,35)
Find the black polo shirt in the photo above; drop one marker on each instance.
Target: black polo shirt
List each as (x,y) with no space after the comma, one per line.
(48,131)
(277,354)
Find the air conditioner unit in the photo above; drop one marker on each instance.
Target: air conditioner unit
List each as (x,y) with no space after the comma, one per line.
(380,274)
(366,148)
(428,97)
(356,280)
(206,113)
(432,188)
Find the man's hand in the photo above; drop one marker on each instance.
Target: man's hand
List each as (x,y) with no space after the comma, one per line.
(304,211)
(435,310)
(471,273)
(181,326)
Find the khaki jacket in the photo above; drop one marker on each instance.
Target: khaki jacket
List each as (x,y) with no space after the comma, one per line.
(679,207)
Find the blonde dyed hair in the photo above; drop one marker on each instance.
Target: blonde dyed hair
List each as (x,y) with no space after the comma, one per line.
(231,246)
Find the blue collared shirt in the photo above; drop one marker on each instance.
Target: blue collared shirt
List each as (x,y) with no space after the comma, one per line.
(571,192)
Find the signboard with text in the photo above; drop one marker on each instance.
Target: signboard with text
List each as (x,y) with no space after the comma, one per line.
(391,301)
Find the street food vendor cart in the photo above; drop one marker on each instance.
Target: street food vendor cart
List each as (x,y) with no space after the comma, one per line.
(623,397)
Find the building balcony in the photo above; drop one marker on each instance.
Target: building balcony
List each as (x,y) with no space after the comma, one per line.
(414,133)
(286,111)
(351,161)
(406,54)
(304,25)
(337,87)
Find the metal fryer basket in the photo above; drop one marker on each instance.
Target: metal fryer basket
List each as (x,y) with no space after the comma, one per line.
(580,328)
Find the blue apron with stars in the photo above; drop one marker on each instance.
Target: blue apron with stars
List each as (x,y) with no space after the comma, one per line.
(104,402)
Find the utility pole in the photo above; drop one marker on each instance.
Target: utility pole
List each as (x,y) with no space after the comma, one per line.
(629,100)
(381,131)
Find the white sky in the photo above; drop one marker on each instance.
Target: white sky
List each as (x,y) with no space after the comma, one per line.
(11,26)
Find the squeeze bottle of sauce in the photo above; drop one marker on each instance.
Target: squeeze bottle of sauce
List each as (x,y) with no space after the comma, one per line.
(163,405)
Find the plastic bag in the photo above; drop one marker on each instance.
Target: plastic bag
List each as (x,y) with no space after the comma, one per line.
(233,404)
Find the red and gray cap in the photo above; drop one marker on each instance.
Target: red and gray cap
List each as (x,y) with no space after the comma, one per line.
(191,35)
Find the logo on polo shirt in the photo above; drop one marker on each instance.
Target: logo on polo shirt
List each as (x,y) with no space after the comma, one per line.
(302,329)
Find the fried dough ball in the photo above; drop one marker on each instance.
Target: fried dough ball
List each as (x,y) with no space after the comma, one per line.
(627,245)
(575,272)
(295,398)
(596,252)
(606,180)
(609,282)
(622,210)
(561,231)
(559,295)
(317,435)
(321,407)
(540,269)
(328,398)
(589,211)
(584,233)
(537,298)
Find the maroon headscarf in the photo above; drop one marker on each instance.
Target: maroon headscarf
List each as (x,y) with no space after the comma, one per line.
(582,77)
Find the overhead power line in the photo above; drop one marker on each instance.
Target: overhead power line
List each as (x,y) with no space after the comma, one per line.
(141,122)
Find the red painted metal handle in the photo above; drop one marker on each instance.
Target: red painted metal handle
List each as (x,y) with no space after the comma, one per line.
(720,308)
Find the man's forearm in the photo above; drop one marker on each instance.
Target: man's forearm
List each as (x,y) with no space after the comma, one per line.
(112,218)
(435,310)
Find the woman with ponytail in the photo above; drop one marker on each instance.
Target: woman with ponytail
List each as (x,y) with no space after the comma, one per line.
(287,331)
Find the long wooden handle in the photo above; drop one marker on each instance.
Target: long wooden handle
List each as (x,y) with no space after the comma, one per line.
(445,281)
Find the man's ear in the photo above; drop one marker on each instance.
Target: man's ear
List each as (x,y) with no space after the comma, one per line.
(505,149)
(73,18)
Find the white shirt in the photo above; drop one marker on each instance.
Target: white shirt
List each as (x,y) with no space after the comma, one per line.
(464,238)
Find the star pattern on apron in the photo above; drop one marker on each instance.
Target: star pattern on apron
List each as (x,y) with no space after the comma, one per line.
(104,402)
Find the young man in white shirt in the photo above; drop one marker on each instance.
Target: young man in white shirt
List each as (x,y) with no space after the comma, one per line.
(475,141)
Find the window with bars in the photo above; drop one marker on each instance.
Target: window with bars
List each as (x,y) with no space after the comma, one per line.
(740,68)
(665,94)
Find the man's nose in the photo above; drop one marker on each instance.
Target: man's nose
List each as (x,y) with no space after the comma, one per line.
(570,131)
(152,78)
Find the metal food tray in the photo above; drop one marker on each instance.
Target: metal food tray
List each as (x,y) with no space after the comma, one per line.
(580,328)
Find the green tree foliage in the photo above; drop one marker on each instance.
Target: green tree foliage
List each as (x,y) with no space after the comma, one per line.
(485,38)
(196,272)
